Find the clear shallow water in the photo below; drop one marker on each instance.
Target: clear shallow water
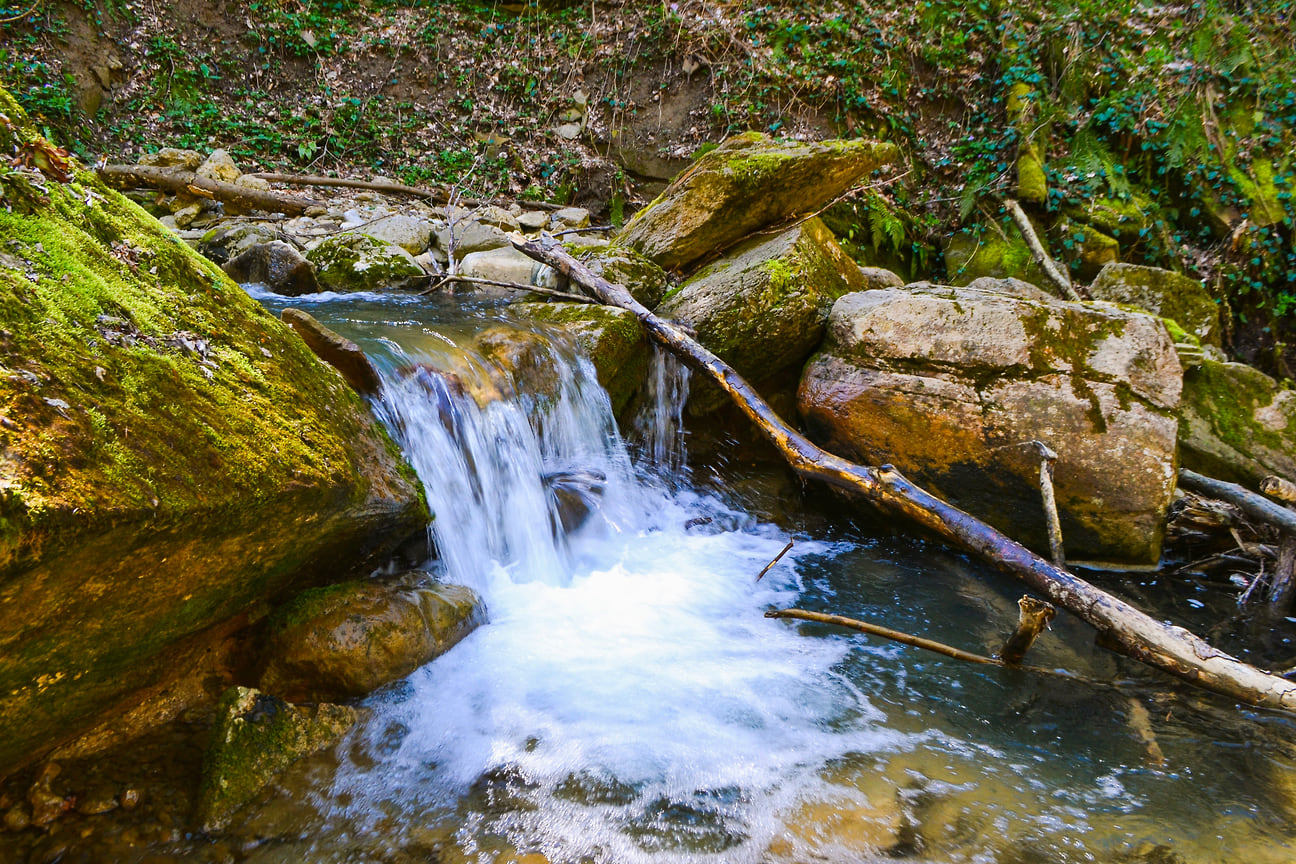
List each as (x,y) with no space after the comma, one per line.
(628,701)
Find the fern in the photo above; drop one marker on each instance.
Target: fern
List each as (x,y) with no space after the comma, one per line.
(884,224)
(1090,156)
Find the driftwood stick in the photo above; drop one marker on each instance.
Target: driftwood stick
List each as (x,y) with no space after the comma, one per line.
(1256,506)
(188,183)
(886,633)
(777,558)
(393,188)
(1050,268)
(1129,631)
(1034,616)
(1047,460)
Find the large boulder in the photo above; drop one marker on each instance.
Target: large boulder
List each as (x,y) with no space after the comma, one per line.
(611,338)
(1237,424)
(344,641)
(170,456)
(746,183)
(507,264)
(411,233)
(255,737)
(952,385)
(1161,292)
(762,308)
(357,262)
(276,265)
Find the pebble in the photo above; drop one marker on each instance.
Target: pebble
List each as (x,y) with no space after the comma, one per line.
(130,798)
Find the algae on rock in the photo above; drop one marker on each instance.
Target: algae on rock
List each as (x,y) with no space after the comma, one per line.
(746,183)
(170,454)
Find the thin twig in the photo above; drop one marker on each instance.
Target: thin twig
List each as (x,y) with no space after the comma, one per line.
(22,15)
(777,558)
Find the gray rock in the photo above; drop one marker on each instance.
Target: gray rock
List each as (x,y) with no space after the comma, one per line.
(879,277)
(623,266)
(533,221)
(219,166)
(358,262)
(497,216)
(1161,292)
(277,265)
(952,385)
(465,237)
(408,232)
(228,241)
(1010,287)
(508,265)
(569,218)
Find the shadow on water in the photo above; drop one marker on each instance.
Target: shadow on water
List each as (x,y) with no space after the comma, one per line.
(629,702)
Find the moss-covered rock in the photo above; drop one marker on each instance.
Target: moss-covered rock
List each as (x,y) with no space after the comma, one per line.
(170,454)
(344,641)
(1083,249)
(255,737)
(1237,423)
(358,262)
(953,385)
(1161,292)
(746,183)
(1032,182)
(763,307)
(623,266)
(972,254)
(611,338)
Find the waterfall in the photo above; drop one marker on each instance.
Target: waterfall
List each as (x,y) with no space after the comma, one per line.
(659,424)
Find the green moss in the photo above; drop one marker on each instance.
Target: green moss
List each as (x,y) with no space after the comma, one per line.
(1032,183)
(358,262)
(1229,395)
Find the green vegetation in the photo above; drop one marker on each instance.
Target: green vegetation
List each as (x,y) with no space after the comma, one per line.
(1163,135)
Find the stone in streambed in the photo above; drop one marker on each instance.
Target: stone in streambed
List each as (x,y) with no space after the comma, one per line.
(276,265)
(952,384)
(506,265)
(351,262)
(1237,424)
(255,737)
(336,350)
(344,641)
(623,266)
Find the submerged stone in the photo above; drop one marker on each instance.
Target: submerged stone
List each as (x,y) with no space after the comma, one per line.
(347,640)
(170,455)
(746,183)
(953,386)
(255,737)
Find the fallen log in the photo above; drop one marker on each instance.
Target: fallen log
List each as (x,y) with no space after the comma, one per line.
(181,182)
(441,196)
(1120,626)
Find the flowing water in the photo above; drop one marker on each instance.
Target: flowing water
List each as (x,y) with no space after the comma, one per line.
(628,702)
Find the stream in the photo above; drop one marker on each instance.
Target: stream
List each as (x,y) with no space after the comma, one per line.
(628,702)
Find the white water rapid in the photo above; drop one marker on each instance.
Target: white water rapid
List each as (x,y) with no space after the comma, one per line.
(627,701)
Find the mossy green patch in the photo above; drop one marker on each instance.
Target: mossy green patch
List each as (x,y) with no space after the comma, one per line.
(169,455)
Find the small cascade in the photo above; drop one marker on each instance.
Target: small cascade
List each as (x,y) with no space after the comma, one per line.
(659,425)
(507,476)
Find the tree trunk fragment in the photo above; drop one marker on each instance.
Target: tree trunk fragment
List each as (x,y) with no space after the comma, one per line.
(1035,616)
(182,182)
(1121,626)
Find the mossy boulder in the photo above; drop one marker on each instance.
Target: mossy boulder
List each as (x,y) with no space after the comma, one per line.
(952,385)
(343,641)
(623,266)
(611,338)
(762,308)
(1237,424)
(357,262)
(1161,292)
(746,183)
(255,737)
(1084,249)
(170,455)
(970,255)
